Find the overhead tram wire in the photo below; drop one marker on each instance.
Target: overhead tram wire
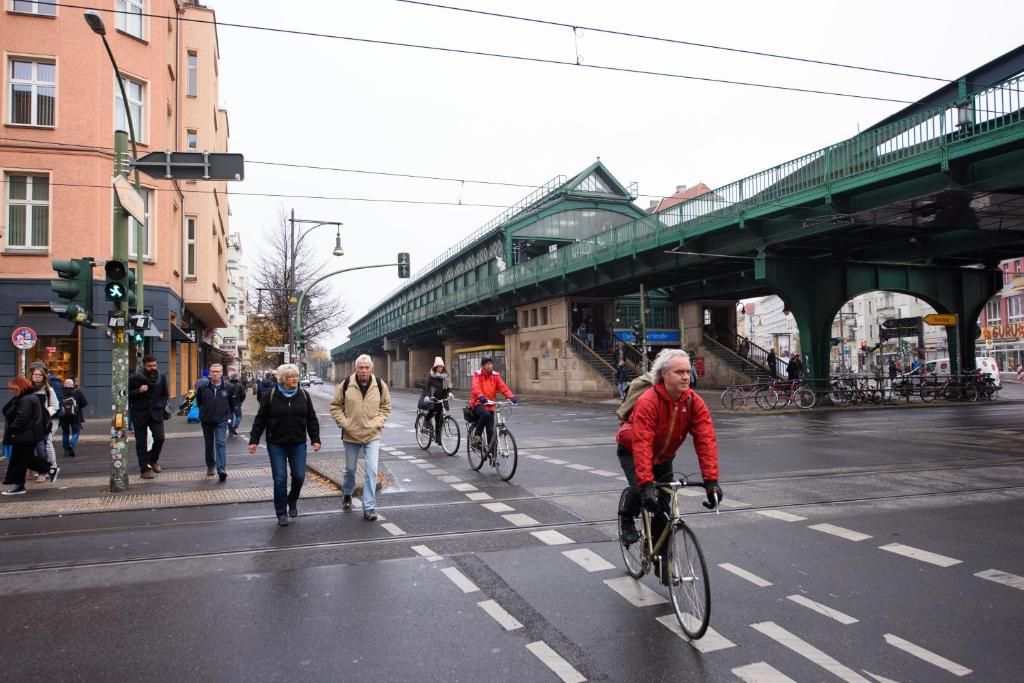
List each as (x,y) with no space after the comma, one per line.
(499,55)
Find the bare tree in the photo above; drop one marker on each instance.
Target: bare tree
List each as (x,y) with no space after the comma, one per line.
(322,311)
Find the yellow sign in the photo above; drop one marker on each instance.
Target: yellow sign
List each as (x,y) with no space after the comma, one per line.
(941,319)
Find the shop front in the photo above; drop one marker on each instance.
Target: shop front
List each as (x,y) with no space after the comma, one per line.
(58,342)
(467,362)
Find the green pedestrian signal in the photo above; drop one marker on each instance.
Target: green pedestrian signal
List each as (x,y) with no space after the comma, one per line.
(74,289)
(120,284)
(403,264)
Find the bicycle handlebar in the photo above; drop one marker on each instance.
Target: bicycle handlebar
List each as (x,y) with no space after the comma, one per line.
(684,483)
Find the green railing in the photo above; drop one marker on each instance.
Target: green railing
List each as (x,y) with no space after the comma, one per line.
(916,138)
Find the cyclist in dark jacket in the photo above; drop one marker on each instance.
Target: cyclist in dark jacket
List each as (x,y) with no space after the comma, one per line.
(439,387)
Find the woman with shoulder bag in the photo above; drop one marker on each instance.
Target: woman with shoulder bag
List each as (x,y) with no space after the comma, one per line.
(439,388)
(25,427)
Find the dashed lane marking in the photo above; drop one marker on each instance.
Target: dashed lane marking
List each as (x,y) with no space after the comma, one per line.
(710,642)
(537,457)
(582,468)
(918,554)
(761,672)
(397,452)
(555,461)
(604,473)
(479,495)
(417,461)
(844,619)
(927,655)
(552,537)
(808,651)
(635,592)
(784,516)
(434,471)
(392,529)
(560,420)
(463,487)
(733,503)
(841,532)
(425,465)
(427,553)
(450,479)
(392,425)
(499,507)
(554,661)
(407,458)
(1005,578)
(744,574)
(460,580)
(520,519)
(588,559)
(498,613)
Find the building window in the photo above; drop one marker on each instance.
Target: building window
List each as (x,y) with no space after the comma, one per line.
(129,17)
(533,317)
(536,369)
(33,93)
(544,315)
(147,232)
(26,7)
(190,246)
(192,139)
(992,315)
(1015,309)
(136,105)
(193,72)
(28,211)
(525,315)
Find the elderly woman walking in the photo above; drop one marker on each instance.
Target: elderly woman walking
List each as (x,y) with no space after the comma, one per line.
(289,418)
(361,407)
(25,427)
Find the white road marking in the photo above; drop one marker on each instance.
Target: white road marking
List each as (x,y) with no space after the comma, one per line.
(427,553)
(460,580)
(733,503)
(784,516)
(582,419)
(610,417)
(825,610)
(463,487)
(693,492)
(917,554)
(839,531)
(411,431)
(434,471)
(521,519)
(761,672)
(506,620)
(1005,578)
(711,641)
(560,420)
(569,414)
(450,479)
(425,465)
(479,495)
(499,507)
(582,468)
(805,649)
(417,461)
(407,457)
(553,461)
(537,457)
(880,679)
(397,452)
(588,559)
(928,656)
(554,661)
(744,574)
(635,592)
(552,537)
(393,529)
(604,473)
(392,425)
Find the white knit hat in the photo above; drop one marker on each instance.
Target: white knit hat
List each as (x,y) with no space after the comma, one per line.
(437,361)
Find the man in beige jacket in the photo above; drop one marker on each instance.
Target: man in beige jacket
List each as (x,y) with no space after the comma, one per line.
(361,407)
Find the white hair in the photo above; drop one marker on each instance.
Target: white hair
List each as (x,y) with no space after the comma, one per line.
(364,357)
(662,360)
(285,370)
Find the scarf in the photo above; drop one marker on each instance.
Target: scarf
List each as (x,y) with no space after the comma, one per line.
(446,380)
(286,393)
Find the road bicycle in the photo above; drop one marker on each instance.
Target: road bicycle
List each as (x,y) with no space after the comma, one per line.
(741,396)
(684,570)
(791,393)
(450,436)
(501,452)
(952,388)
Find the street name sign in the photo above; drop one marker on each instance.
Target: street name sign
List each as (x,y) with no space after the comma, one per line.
(941,319)
(192,165)
(275,349)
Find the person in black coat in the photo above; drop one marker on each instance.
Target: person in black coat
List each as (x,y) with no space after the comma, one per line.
(73,403)
(147,398)
(216,399)
(795,368)
(236,411)
(288,416)
(772,362)
(438,386)
(24,427)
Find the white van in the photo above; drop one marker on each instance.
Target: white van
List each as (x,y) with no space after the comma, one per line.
(988,366)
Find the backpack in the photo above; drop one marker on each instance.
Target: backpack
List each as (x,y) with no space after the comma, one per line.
(344,387)
(636,388)
(70,406)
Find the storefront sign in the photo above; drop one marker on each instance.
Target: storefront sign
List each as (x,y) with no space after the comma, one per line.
(24,338)
(660,337)
(700,366)
(1007,331)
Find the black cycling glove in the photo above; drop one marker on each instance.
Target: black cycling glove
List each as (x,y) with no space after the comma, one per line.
(714,492)
(650,499)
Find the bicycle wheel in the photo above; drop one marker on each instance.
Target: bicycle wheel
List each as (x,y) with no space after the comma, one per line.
(422,428)
(766,398)
(971,391)
(632,554)
(451,436)
(727,399)
(688,583)
(474,454)
(804,398)
(506,455)
(839,396)
(929,392)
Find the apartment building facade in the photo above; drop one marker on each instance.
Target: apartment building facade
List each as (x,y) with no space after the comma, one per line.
(60,105)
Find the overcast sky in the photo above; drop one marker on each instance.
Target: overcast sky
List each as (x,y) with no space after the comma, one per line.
(330,102)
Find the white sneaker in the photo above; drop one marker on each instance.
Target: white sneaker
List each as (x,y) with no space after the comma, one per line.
(52,476)
(16,491)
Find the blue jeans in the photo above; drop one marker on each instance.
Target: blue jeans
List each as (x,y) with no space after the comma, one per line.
(70,433)
(348,483)
(283,456)
(236,419)
(215,436)
(623,386)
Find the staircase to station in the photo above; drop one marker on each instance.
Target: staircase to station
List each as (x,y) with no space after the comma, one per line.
(752,363)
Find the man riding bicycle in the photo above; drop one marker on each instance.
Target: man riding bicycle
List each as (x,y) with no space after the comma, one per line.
(647,441)
(486,385)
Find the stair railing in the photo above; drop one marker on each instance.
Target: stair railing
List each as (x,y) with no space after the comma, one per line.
(591,357)
(748,352)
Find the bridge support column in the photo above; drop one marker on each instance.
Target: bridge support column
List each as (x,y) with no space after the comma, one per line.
(397,374)
(421,360)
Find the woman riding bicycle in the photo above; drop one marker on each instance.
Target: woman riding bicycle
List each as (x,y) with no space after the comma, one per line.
(647,441)
(439,388)
(486,385)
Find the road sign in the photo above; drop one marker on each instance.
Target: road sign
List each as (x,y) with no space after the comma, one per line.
(24,338)
(941,319)
(130,198)
(275,349)
(989,344)
(192,165)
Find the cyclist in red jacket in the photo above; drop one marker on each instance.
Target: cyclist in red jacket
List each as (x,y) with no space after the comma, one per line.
(486,385)
(657,426)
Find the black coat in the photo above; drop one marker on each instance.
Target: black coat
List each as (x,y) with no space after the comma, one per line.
(215,406)
(286,420)
(147,405)
(24,420)
(435,389)
(73,417)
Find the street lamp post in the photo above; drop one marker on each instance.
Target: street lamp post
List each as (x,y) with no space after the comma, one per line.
(293,246)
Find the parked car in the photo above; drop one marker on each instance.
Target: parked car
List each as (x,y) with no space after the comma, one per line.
(304,382)
(988,366)
(314,379)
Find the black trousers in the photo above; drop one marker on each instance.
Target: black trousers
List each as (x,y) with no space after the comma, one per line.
(436,414)
(24,458)
(146,457)
(484,420)
(632,503)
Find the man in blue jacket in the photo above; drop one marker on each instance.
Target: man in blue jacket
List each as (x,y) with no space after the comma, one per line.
(216,400)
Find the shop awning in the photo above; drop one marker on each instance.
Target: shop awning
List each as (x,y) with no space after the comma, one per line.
(180,335)
(46,324)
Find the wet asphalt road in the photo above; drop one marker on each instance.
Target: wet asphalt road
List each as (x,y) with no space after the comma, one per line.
(863,545)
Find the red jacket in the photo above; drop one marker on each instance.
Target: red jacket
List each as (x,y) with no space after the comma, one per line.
(658,426)
(488,386)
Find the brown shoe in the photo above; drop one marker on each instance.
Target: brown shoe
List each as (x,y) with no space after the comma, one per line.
(147,474)
(156,466)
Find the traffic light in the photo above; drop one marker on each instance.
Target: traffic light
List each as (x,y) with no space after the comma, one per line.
(120,284)
(403,264)
(140,323)
(74,287)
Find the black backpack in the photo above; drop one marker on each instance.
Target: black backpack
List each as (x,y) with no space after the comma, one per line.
(344,387)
